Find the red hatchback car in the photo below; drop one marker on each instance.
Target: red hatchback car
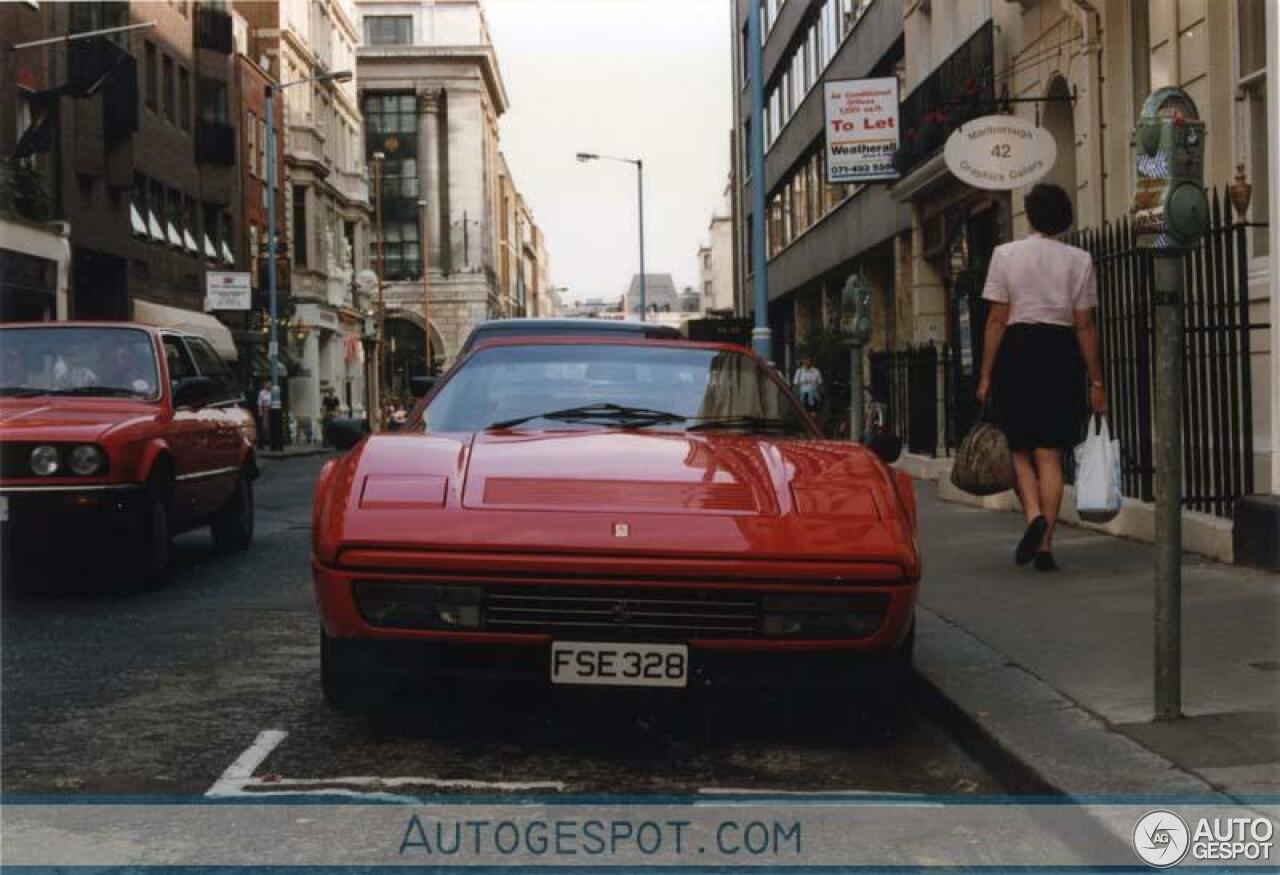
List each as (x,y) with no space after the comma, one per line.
(121,434)
(608,512)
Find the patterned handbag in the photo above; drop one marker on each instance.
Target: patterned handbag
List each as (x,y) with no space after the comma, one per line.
(984,463)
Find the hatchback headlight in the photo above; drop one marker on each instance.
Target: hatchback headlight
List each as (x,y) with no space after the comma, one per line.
(822,616)
(45,461)
(85,460)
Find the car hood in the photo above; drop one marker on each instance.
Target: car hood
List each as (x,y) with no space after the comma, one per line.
(631,493)
(66,418)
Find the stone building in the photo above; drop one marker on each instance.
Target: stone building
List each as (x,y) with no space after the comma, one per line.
(432,94)
(326,199)
(715,262)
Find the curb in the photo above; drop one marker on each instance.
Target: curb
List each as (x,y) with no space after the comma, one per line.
(1047,739)
(293,454)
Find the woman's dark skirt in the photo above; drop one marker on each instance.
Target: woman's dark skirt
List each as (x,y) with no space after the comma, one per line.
(1041,392)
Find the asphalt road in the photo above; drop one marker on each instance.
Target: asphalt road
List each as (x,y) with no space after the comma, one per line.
(160,692)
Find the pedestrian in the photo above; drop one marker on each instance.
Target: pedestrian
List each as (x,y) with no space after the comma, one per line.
(1040,342)
(808,384)
(264,413)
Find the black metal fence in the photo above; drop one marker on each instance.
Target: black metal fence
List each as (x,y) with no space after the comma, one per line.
(1217,411)
(928,386)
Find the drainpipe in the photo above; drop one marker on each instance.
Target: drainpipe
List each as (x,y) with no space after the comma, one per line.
(1093,47)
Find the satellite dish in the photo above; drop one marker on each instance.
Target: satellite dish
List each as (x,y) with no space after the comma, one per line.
(367,281)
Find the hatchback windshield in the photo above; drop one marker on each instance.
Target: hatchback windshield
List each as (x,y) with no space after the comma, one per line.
(612,385)
(78,361)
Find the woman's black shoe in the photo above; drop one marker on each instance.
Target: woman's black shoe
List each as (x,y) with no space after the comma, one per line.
(1044,561)
(1030,540)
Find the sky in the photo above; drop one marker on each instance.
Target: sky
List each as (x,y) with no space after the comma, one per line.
(646,79)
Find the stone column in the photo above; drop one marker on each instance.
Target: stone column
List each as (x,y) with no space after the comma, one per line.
(429,167)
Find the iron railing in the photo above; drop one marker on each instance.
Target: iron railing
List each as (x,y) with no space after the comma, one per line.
(1217,383)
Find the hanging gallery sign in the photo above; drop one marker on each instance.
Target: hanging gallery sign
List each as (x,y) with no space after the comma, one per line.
(862,129)
(1000,152)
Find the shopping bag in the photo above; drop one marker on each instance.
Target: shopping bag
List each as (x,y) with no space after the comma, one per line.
(1098,489)
(983,464)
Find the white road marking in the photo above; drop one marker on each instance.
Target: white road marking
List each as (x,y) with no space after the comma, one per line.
(375,783)
(913,798)
(241,771)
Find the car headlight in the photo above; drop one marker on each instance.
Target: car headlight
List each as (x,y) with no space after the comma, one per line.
(85,460)
(822,616)
(418,605)
(45,460)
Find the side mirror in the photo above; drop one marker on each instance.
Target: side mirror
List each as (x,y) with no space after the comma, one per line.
(193,392)
(420,386)
(887,446)
(345,432)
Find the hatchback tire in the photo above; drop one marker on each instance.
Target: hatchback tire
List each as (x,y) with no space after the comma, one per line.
(233,525)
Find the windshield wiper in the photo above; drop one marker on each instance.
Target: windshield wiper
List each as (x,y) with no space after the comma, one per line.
(22,391)
(762,423)
(101,391)
(623,415)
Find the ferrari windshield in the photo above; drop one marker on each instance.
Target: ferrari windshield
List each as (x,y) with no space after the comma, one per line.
(106,362)
(594,385)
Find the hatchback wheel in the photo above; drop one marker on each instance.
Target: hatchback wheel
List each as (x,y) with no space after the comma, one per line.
(149,559)
(233,525)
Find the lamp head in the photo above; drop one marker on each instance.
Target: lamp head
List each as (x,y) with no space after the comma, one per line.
(587,156)
(336,76)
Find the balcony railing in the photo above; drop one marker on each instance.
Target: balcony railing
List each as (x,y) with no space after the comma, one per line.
(961,89)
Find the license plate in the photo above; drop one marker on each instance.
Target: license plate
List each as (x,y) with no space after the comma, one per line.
(619,665)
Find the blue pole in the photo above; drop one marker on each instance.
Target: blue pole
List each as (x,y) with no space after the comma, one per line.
(273,349)
(761,341)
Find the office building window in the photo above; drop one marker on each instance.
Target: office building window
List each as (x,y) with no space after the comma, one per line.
(251,134)
(390,114)
(300,225)
(212,230)
(138,206)
(153,74)
(100,16)
(1251,33)
(388,30)
(213,102)
(184,98)
(167,86)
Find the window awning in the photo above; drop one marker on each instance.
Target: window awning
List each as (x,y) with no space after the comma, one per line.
(202,324)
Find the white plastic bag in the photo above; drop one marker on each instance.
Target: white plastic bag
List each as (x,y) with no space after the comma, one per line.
(1098,491)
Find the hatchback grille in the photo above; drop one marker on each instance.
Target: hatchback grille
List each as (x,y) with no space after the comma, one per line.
(622,613)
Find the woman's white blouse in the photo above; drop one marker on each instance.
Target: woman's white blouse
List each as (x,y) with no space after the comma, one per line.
(1041,280)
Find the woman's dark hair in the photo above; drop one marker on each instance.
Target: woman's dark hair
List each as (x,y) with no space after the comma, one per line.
(1049,209)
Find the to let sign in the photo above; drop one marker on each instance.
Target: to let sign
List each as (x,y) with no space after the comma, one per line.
(227,290)
(1000,152)
(862,129)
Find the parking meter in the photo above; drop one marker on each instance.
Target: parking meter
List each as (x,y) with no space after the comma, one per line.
(1169,208)
(855,310)
(1169,217)
(855,325)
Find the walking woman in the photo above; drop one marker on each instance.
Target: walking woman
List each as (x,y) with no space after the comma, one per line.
(1040,345)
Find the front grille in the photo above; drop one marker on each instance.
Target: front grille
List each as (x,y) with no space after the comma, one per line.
(622,613)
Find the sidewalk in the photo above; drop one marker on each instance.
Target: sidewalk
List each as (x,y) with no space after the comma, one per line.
(1057,668)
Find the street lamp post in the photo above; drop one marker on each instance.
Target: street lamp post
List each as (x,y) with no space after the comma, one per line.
(276,416)
(639,165)
(424,259)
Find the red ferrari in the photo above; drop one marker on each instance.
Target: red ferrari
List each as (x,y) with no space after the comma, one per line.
(591,511)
